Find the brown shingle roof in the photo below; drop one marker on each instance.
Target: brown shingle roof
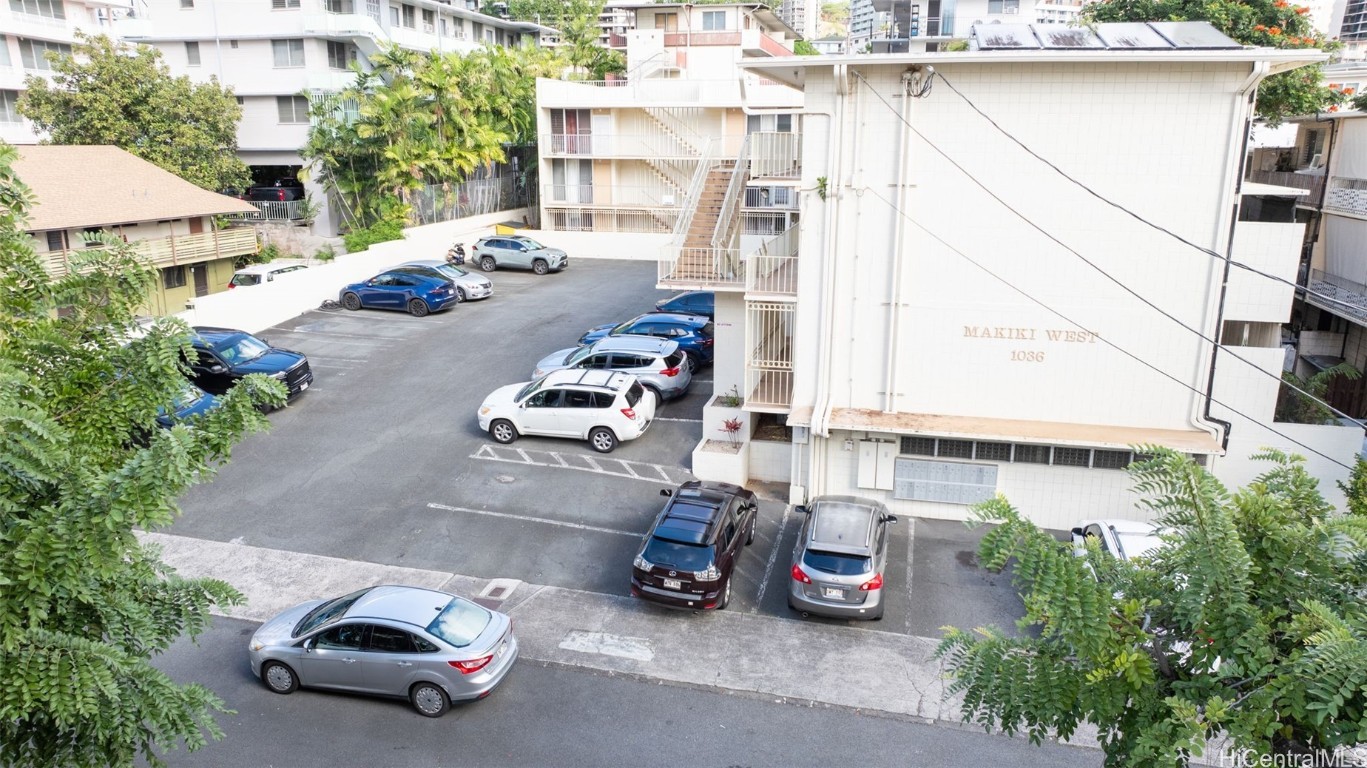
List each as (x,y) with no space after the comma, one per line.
(90,186)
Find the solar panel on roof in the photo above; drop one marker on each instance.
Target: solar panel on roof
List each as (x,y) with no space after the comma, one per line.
(996,37)
(1071,38)
(1133,35)
(1194,35)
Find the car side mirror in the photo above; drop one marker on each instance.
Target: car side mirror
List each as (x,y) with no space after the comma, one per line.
(370,282)
(216,368)
(801,510)
(308,645)
(666,492)
(890,519)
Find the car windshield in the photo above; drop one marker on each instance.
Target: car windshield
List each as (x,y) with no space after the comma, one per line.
(188,397)
(579,355)
(527,391)
(530,243)
(240,280)
(634,393)
(460,622)
(450,272)
(677,555)
(836,563)
(242,349)
(622,328)
(326,613)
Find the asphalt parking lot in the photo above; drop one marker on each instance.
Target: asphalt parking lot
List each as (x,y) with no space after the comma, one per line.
(382,461)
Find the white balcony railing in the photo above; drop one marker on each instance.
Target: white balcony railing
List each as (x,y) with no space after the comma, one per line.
(776,155)
(773,268)
(769,355)
(179,249)
(657,195)
(605,219)
(653,144)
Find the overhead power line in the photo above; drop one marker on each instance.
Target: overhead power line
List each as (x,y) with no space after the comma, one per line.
(1120,284)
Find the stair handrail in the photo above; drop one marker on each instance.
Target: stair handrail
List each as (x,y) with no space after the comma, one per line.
(729,217)
(690,201)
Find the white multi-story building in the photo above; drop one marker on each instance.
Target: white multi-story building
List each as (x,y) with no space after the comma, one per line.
(273,52)
(804,16)
(925,345)
(31,28)
(864,23)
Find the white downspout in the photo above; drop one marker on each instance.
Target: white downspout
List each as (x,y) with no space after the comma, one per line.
(822,402)
(890,355)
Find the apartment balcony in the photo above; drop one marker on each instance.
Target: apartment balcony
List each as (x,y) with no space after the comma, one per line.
(645,146)
(343,25)
(769,356)
(1338,295)
(654,92)
(170,251)
(647,196)
(1346,196)
(1313,183)
(36,27)
(771,271)
(702,269)
(592,218)
(775,155)
(754,42)
(761,92)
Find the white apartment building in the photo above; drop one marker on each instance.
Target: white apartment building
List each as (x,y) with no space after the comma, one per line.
(271,52)
(928,347)
(31,28)
(921,25)
(804,16)
(623,155)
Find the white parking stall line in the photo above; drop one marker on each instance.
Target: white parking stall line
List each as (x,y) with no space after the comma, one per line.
(773,557)
(631,470)
(911,545)
(690,421)
(530,519)
(331,359)
(333,334)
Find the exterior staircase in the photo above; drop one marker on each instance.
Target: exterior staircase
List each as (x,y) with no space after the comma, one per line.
(697,258)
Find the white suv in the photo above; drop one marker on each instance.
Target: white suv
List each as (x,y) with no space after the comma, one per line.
(603,407)
(257,274)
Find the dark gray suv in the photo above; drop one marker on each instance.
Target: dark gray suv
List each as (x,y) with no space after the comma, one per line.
(838,563)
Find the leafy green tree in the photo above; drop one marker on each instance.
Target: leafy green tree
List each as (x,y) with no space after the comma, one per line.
(83,605)
(804,48)
(111,93)
(1296,408)
(1271,23)
(1249,623)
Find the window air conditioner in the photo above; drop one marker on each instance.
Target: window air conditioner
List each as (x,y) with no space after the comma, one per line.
(1011,9)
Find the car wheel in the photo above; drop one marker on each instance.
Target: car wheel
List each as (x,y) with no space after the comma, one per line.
(540,267)
(418,308)
(602,440)
(750,537)
(487,264)
(503,431)
(694,360)
(460,295)
(351,301)
(725,596)
(429,699)
(279,678)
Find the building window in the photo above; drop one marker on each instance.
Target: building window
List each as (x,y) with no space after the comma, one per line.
(1032,454)
(187,4)
(1072,457)
(32,53)
(241,100)
(173,277)
(409,17)
(293,109)
(232,44)
(280,5)
(4,51)
(1110,459)
(192,54)
(429,21)
(90,237)
(340,55)
(713,21)
(1003,6)
(769,124)
(288,53)
(992,451)
(9,109)
(918,446)
(393,15)
(56,240)
(668,22)
(338,6)
(52,9)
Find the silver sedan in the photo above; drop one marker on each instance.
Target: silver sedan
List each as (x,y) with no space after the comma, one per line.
(406,642)
(469,286)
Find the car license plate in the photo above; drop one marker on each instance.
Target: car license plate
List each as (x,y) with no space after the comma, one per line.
(833,592)
(303,386)
(501,648)
(673,584)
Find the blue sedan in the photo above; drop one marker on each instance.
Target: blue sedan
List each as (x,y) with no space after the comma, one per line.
(416,294)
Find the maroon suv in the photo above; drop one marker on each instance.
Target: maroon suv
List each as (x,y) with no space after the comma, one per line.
(688,555)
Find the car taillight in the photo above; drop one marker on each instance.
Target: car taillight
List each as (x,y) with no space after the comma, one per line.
(629,413)
(232,286)
(280,195)
(798,575)
(670,371)
(473,665)
(875,583)
(706,342)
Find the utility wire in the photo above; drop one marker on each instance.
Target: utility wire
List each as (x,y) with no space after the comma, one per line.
(1097,268)
(1299,288)
(1103,339)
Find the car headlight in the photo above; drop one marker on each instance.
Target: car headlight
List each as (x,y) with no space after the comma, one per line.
(257,645)
(642,563)
(711,574)
(484,410)
(279,376)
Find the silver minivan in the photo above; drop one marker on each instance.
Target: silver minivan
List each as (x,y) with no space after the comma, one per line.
(659,364)
(839,560)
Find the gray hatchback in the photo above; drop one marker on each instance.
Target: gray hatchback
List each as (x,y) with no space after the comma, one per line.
(838,563)
(427,646)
